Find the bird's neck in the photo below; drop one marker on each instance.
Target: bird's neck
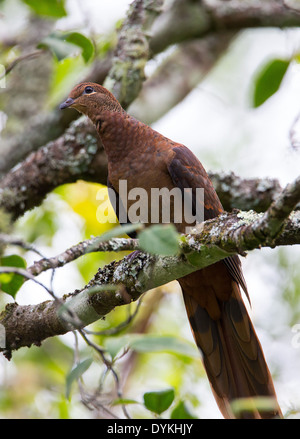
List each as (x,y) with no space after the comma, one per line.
(120,134)
(129,145)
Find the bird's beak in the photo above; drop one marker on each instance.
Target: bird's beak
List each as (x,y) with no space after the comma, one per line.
(68,103)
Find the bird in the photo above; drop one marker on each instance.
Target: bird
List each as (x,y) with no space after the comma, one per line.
(213,296)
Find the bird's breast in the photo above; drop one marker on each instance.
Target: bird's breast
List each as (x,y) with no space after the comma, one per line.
(146,189)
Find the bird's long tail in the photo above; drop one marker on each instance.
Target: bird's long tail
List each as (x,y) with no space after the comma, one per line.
(232,355)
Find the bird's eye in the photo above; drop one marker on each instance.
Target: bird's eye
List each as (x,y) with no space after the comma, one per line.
(88,90)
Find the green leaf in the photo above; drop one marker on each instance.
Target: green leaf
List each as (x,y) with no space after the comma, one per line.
(40,223)
(67,71)
(194,258)
(159,401)
(181,412)
(123,401)
(56,43)
(161,343)
(76,373)
(63,45)
(268,80)
(50,8)
(82,41)
(160,239)
(10,283)
(297,57)
(113,345)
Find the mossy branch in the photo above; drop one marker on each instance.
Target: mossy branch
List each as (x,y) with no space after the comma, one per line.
(124,281)
(79,155)
(182,21)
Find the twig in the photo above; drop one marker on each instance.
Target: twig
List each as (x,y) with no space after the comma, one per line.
(11,240)
(273,219)
(109,366)
(76,155)
(291,7)
(185,20)
(121,326)
(24,273)
(213,240)
(83,248)
(267,225)
(97,348)
(295,143)
(21,58)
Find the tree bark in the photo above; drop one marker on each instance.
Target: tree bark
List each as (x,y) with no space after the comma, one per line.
(124,281)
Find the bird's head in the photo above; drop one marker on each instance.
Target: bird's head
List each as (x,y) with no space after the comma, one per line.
(91,99)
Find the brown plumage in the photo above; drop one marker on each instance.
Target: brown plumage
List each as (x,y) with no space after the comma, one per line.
(232,354)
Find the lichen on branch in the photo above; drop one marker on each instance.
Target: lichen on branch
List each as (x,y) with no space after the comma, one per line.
(124,281)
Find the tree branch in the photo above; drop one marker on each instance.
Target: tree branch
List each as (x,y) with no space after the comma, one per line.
(126,76)
(188,19)
(92,245)
(21,58)
(72,157)
(78,154)
(263,225)
(185,20)
(202,57)
(47,126)
(121,282)
(177,76)
(127,61)
(245,194)
(240,14)
(273,220)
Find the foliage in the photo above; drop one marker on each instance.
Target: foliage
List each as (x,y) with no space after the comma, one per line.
(268,80)
(76,373)
(158,402)
(49,8)
(63,45)
(10,283)
(151,343)
(160,239)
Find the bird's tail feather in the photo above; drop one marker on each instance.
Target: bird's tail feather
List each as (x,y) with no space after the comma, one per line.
(233,357)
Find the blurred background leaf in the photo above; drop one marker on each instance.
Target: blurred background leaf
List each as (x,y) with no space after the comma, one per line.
(10,283)
(151,343)
(268,80)
(76,373)
(160,239)
(182,412)
(159,401)
(49,8)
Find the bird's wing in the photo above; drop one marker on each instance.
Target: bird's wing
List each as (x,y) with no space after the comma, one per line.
(186,171)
